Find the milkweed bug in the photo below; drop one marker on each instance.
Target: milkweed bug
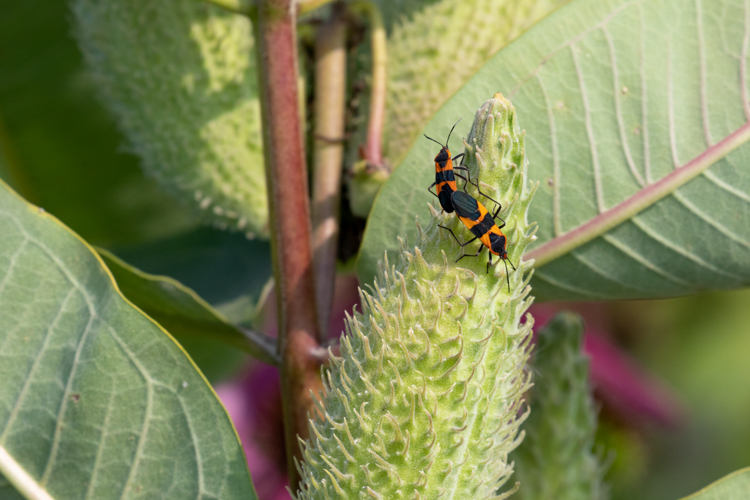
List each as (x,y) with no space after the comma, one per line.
(445,178)
(482,225)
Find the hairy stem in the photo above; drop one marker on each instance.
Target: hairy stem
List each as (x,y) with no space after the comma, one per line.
(373,151)
(330,109)
(289,209)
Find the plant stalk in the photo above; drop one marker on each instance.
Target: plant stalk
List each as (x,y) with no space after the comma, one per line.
(286,177)
(330,109)
(373,150)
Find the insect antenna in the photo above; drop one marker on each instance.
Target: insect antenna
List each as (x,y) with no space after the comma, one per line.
(449,133)
(433,140)
(507,276)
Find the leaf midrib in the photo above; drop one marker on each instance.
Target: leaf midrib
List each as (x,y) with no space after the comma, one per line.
(20,479)
(597,226)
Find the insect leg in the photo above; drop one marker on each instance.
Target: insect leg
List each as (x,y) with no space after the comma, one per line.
(495,217)
(455,238)
(475,255)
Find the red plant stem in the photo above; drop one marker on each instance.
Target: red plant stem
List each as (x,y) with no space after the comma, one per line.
(330,110)
(286,176)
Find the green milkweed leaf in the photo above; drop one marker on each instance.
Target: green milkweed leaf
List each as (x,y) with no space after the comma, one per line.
(181,79)
(97,400)
(735,486)
(182,312)
(637,120)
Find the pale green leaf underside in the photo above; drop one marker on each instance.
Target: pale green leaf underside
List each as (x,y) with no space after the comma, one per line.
(179,309)
(636,115)
(735,486)
(97,401)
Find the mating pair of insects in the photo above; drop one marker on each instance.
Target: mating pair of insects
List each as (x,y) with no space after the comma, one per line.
(470,211)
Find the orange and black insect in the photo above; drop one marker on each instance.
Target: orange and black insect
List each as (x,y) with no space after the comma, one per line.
(445,177)
(482,225)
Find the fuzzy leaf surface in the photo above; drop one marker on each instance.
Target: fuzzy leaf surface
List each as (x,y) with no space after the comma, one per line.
(637,117)
(735,486)
(422,37)
(180,77)
(97,400)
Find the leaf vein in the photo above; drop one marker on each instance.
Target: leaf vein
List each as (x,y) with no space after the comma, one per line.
(42,349)
(702,62)
(97,459)
(644,100)
(713,223)
(601,272)
(556,222)
(637,257)
(670,108)
(618,109)
(538,274)
(590,133)
(654,235)
(726,187)
(743,61)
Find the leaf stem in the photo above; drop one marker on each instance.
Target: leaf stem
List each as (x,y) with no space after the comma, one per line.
(373,150)
(261,346)
(289,210)
(330,110)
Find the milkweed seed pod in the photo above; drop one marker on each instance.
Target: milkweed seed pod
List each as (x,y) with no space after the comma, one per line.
(180,78)
(426,398)
(426,39)
(557,459)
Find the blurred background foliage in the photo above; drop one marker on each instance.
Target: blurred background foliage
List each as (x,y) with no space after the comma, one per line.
(61,146)
(60,150)
(693,352)
(699,346)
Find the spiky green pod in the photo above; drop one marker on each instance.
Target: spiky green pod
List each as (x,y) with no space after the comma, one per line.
(180,78)
(425,44)
(425,400)
(557,459)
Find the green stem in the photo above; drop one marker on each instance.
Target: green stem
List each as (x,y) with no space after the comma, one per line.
(330,109)
(373,151)
(286,175)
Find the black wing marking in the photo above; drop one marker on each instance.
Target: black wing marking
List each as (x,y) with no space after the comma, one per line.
(465,205)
